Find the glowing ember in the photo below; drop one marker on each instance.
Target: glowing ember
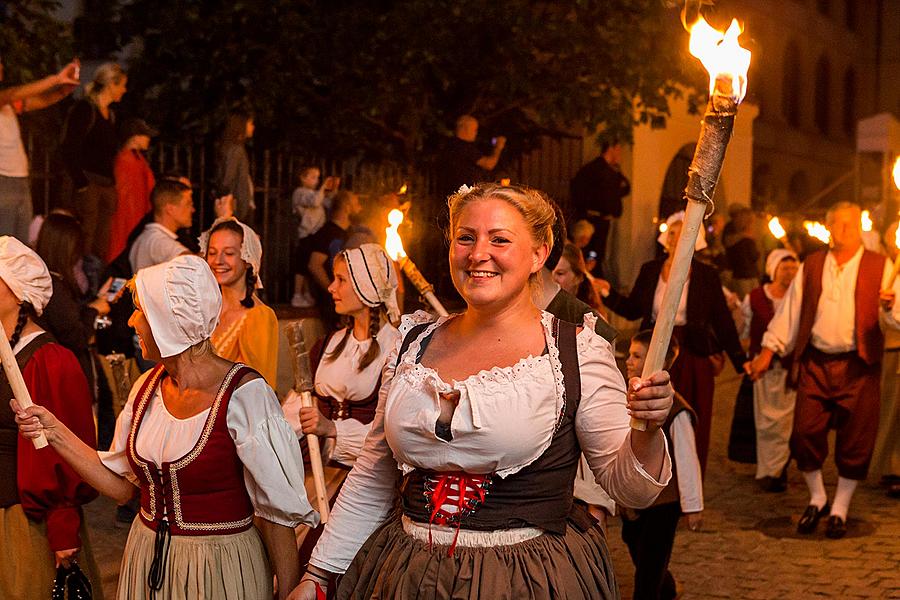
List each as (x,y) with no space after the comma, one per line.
(897,173)
(401,192)
(663,227)
(818,231)
(504,181)
(776,228)
(392,242)
(721,55)
(866,221)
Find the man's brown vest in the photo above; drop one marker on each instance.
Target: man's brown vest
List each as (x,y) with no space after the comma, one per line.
(869,339)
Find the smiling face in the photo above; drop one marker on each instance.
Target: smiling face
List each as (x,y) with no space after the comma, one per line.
(138,321)
(346,302)
(492,254)
(223,255)
(566,277)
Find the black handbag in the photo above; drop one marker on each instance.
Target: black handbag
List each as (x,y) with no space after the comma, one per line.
(71,584)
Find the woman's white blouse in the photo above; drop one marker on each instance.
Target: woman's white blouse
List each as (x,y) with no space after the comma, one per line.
(504,421)
(265,443)
(681,311)
(340,378)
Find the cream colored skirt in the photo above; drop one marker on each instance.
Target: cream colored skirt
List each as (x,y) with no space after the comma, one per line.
(226,567)
(27,568)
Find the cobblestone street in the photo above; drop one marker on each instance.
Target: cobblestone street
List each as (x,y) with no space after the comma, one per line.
(748,546)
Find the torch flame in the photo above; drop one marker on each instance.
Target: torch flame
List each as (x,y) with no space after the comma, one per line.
(776,228)
(663,227)
(897,174)
(897,239)
(866,221)
(818,231)
(400,193)
(721,55)
(392,242)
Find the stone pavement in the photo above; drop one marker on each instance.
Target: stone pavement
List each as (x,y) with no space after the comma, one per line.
(747,548)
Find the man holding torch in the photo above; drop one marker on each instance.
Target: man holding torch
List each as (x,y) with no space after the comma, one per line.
(830,323)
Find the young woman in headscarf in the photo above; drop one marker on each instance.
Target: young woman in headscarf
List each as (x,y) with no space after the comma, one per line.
(219,469)
(40,495)
(248,329)
(703,324)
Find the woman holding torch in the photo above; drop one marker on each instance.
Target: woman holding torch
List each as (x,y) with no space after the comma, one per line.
(486,413)
(218,468)
(40,495)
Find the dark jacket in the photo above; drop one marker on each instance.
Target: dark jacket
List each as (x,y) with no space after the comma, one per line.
(709,329)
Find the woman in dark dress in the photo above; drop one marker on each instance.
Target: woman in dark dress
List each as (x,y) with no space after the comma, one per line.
(703,325)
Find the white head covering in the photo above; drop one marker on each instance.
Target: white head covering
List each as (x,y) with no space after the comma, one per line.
(181,300)
(25,273)
(679,218)
(774,259)
(374,277)
(251,247)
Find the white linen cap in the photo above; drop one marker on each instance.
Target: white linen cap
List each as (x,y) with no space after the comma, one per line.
(251,247)
(181,300)
(25,273)
(774,259)
(679,218)
(374,277)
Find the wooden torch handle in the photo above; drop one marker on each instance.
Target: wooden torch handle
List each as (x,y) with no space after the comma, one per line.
(16,382)
(315,461)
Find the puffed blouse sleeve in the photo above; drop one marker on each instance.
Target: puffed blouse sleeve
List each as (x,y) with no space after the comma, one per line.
(370,489)
(602,426)
(267,446)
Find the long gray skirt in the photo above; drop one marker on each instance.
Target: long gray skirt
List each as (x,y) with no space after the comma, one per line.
(393,564)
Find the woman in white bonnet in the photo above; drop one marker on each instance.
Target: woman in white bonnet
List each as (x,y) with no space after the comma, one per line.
(40,496)
(218,468)
(248,329)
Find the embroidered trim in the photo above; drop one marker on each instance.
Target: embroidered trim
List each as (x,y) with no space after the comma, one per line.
(223,341)
(192,455)
(149,389)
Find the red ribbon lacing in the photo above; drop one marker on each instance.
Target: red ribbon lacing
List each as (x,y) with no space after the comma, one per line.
(471,492)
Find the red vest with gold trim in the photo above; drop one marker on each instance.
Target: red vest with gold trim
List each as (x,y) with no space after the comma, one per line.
(203,492)
(869,339)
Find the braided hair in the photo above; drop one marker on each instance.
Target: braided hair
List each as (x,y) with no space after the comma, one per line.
(25,311)
(375,319)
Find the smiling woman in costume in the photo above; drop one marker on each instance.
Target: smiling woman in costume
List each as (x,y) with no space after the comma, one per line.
(248,329)
(485,413)
(219,469)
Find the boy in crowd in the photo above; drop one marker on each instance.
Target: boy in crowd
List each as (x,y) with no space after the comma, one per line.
(650,533)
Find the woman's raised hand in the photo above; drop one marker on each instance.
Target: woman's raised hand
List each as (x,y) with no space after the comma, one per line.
(650,399)
(34,420)
(313,421)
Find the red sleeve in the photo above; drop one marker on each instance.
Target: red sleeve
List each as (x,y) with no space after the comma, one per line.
(48,488)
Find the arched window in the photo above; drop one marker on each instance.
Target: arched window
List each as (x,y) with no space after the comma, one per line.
(849,112)
(790,85)
(823,95)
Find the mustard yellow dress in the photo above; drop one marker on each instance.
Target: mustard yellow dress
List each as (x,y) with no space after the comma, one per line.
(252,340)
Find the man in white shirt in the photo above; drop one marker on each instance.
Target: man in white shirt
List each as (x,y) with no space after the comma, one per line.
(831,322)
(173,208)
(15,188)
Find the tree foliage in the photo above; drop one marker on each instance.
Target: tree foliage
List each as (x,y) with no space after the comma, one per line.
(33,42)
(388,78)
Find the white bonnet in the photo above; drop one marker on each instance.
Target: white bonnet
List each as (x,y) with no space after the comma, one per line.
(181,300)
(374,277)
(774,259)
(679,218)
(251,247)
(25,273)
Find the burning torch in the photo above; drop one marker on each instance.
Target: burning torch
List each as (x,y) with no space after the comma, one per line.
(727,64)
(394,247)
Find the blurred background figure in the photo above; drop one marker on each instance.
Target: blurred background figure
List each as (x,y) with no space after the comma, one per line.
(233,165)
(134,183)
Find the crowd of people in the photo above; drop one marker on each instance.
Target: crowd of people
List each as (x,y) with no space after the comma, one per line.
(478,454)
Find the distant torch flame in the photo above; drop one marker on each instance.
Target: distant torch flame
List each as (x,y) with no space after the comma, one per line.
(866,221)
(818,231)
(400,193)
(663,227)
(505,181)
(721,55)
(776,228)
(897,239)
(897,173)
(392,242)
